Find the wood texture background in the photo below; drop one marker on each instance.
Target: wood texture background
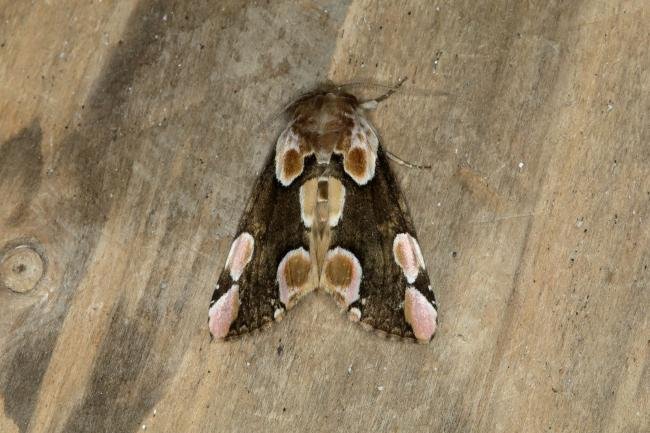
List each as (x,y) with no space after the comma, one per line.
(131,133)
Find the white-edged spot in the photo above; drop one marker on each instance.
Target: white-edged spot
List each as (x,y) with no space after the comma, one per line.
(408,256)
(294,276)
(307,197)
(354,314)
(241,252)
(335,200)
(342,276)
(278,314)
(223,312)
(289,158)
(420,314)
(360,159)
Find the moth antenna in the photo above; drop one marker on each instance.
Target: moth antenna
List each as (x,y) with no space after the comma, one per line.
(365,83)
(391,90)
(372,103)
(400,161)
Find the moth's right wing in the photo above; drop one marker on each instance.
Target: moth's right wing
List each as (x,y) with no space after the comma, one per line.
(374,267)
(269,265)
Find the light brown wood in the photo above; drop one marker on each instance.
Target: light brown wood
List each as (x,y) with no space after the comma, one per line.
(130,136)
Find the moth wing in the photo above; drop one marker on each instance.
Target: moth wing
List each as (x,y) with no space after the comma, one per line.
(375,238)
(269,266)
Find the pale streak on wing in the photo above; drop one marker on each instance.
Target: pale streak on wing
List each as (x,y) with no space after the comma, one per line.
(321,206)
(311,211)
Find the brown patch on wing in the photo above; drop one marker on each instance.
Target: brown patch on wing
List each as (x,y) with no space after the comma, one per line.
(293,164)
(296,271)
(294,276)
(338,270)
(360,158)
(290,152)
(356,163)
(342,276)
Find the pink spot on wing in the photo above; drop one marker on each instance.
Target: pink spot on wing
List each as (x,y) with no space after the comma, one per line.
(224,312)
(240,254)
(420,314)
(408,256)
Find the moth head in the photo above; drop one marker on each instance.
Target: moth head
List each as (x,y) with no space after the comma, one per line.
(328,96)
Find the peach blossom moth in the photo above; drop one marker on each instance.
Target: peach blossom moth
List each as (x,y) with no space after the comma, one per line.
(326,213)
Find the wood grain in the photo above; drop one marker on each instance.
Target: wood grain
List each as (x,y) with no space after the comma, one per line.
(132,132)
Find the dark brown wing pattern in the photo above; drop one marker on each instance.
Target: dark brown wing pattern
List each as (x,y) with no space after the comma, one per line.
(247,296)
(395,294)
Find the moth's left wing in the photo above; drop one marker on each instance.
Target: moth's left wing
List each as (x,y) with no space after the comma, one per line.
(269,266)
(375,259)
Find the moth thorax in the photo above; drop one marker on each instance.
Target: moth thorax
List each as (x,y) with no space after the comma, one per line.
(323,157)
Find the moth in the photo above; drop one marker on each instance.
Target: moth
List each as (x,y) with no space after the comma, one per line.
(326,213)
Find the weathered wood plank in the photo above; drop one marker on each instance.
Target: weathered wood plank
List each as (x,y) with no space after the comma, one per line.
(132,132)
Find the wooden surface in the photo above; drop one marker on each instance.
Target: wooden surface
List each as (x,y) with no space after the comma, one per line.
(131,133)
